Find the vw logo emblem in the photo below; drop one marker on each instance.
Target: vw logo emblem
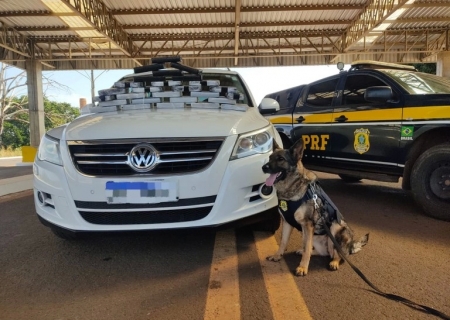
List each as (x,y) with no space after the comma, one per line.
(143,158)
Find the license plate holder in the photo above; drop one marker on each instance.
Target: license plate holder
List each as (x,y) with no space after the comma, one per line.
(155,191)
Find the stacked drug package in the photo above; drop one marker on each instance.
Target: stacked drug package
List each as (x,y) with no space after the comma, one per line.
(181,86)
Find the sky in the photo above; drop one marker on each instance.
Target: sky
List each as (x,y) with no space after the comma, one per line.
(261,80)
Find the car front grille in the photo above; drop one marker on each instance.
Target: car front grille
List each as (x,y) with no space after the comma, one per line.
(110,157)
(145,217)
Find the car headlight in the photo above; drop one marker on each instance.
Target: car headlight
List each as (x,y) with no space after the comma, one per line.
(253,143)
(49,150)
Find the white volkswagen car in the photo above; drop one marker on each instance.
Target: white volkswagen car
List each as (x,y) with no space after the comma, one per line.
(158,165)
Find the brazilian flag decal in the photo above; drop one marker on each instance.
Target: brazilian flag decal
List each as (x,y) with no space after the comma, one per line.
(406,133)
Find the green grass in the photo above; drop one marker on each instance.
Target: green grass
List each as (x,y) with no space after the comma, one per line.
(9,152)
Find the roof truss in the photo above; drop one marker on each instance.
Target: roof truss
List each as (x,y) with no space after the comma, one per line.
(238,38)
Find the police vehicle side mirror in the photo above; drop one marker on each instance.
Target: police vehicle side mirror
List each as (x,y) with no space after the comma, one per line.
(378,94)
(268,105)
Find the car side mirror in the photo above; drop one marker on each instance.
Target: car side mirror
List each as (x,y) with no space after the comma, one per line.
(378,94)
(268,105)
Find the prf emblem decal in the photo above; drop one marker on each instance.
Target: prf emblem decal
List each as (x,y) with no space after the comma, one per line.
(407,133)
(362,143)
(283,205)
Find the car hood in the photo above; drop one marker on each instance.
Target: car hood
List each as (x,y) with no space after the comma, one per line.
(163,123)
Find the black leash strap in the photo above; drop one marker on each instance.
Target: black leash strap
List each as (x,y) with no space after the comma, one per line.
(378,291)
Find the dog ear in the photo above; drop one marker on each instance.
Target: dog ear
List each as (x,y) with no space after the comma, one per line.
(275,145)
(297,150)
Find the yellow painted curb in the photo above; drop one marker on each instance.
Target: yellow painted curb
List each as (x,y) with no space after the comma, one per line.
(28,153)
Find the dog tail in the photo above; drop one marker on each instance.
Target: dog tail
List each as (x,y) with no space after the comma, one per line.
(356,246)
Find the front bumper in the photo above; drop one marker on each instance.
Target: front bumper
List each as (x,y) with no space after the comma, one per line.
(225,192)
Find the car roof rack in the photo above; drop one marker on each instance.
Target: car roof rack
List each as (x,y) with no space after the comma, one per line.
(369,64)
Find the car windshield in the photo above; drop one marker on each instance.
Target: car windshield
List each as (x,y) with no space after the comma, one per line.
(419,83)
(229,80)
(226,80)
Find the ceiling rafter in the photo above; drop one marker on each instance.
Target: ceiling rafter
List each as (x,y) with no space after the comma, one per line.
(373,14)
(205,36)
(85,29)
(205,48)
(231,25)
(156,11)
(96,13)
(54,28)
(14,41)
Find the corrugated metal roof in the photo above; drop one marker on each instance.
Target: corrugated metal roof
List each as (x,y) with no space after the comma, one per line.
(216,33)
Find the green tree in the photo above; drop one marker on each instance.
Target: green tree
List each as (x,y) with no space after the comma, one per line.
(425,67)
(16,132)
(58,113)
(14,106)
(15,135)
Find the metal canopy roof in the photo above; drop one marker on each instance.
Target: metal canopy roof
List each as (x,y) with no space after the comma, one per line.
(114,34)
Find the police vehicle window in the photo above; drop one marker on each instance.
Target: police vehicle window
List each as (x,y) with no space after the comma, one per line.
(227,80)
(420,83)
(355,87)
(321,94)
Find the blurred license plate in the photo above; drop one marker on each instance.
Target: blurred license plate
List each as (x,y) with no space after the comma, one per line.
(141,192)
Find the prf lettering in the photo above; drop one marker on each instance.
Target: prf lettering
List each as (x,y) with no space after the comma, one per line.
(315,142)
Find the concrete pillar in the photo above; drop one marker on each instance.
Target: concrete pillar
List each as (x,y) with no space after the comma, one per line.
(443,64)
(35,101)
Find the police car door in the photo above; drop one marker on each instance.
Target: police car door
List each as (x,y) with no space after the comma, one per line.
(282,119)
(312,120)
(366,134)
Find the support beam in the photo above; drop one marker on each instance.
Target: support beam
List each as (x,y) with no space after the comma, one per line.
(231,25)
(279,8)
(159,11)
(237,22)
(13,41)
(443,64)
(375,12)
(35,101)
(99,16)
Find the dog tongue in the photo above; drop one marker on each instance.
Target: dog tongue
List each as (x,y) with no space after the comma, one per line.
(271,179)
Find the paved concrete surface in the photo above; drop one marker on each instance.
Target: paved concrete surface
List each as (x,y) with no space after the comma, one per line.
(15,176)
(166,275)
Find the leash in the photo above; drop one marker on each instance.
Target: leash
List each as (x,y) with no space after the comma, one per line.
(390,296)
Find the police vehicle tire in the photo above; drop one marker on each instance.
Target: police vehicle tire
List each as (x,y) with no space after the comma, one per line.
(350,179)
(430,173)
(66,235)
(271,225)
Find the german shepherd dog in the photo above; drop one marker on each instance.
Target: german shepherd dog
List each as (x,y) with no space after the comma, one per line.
(292,181)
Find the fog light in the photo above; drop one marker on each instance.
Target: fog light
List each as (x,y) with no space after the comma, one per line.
(265,191)
(41,197)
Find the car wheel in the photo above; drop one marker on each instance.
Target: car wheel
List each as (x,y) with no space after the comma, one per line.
(64,234)
(430,181)
(272,224)
(350,179)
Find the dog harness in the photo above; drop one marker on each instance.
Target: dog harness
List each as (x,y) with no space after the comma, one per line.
(329,211)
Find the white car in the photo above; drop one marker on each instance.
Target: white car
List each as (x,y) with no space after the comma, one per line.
(157,167)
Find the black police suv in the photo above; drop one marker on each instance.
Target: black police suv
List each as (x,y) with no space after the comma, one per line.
(378,121)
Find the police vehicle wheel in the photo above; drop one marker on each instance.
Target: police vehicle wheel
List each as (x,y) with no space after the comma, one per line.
(350,179)
(66,235)
(430,182)
(272,224)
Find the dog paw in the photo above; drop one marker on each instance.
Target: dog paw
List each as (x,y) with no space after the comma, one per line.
(301,272)
(334,265)
(275,257)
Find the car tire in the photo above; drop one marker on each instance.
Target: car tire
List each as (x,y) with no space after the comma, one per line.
(349,179)
(430,181)
(270,225)
(64,234)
